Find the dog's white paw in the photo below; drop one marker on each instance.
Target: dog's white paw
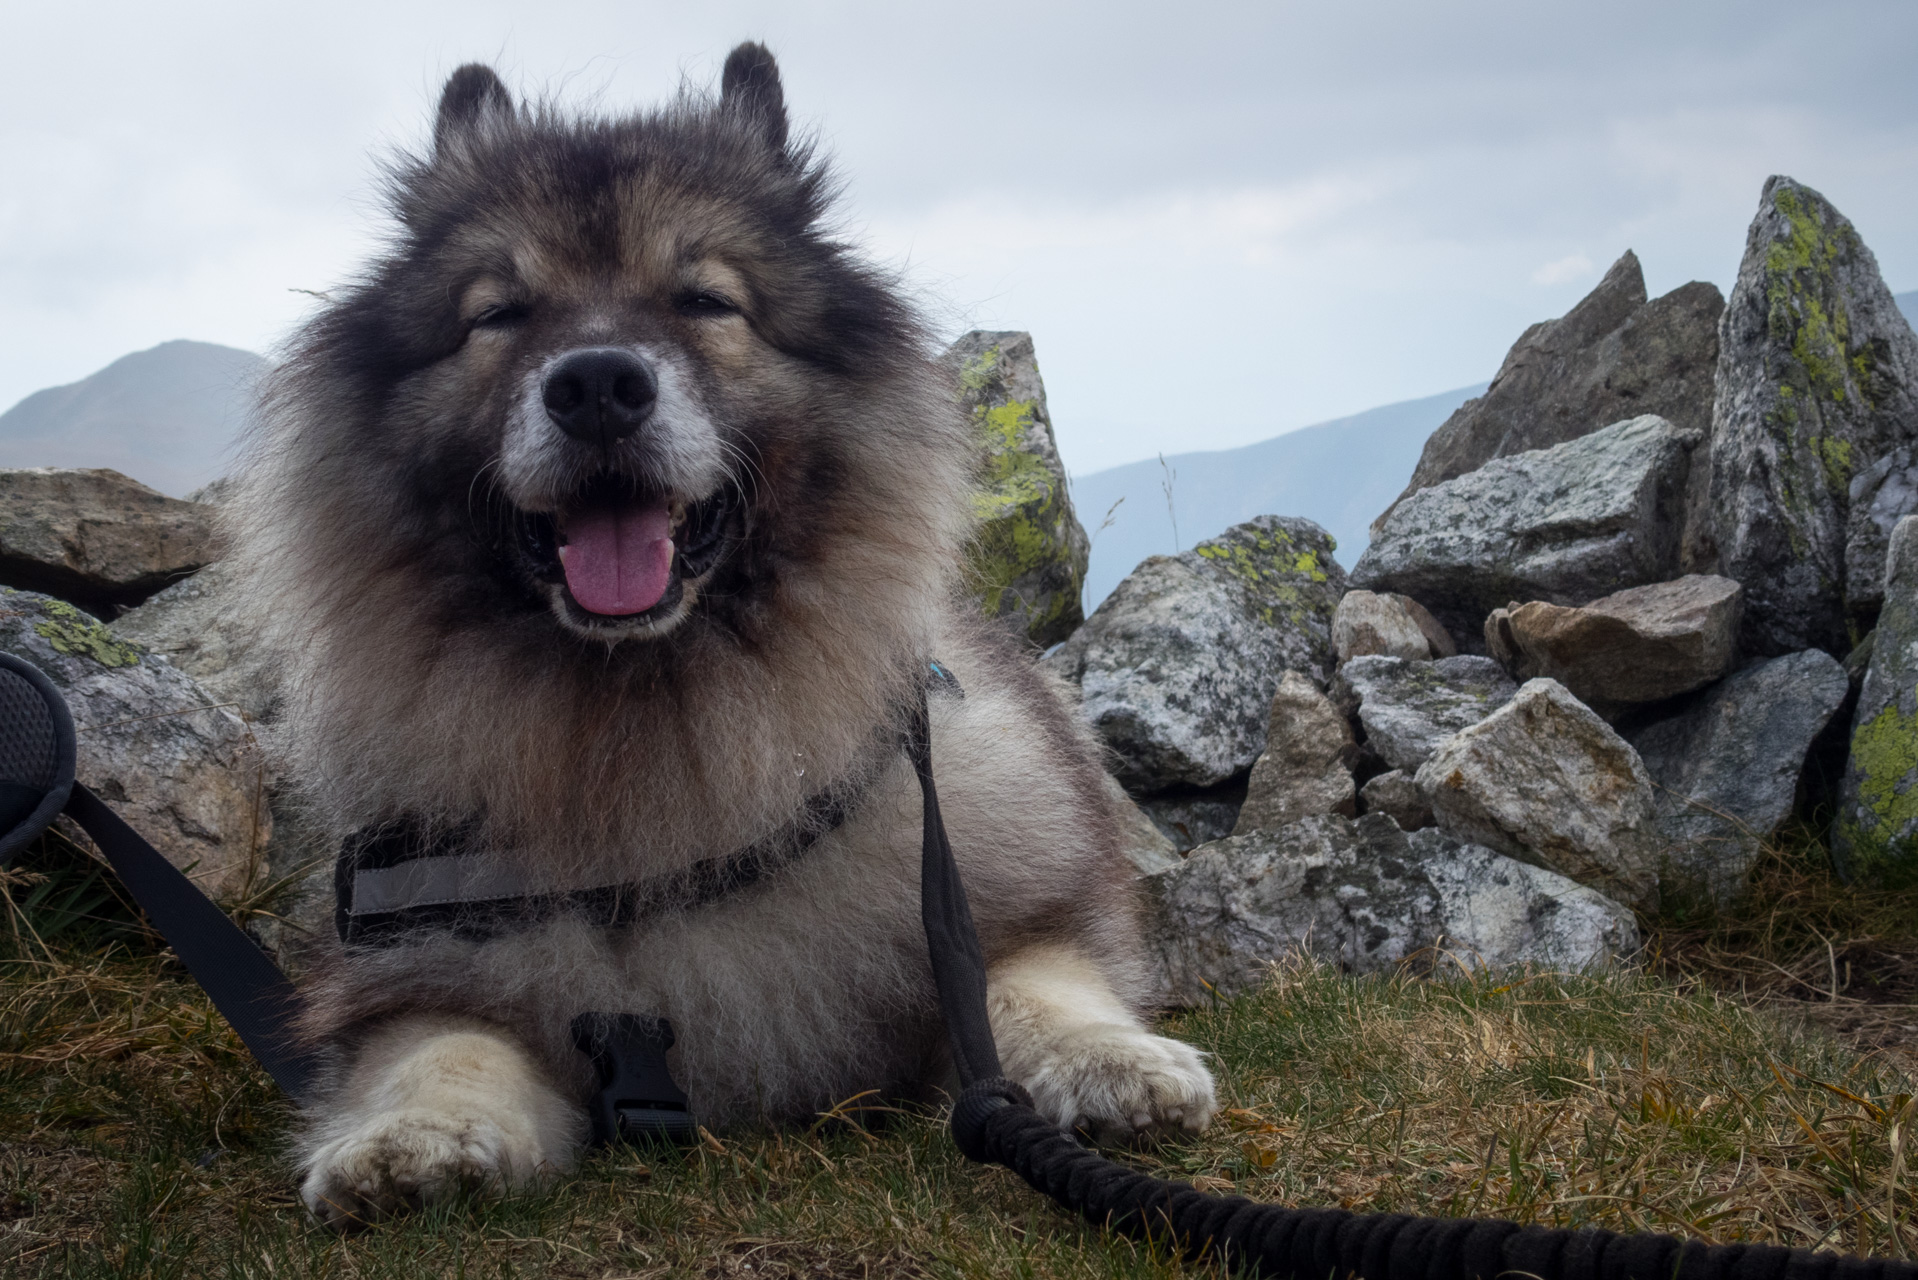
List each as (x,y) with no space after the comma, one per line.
(401,1160)
(427,1111)
(1119,1084)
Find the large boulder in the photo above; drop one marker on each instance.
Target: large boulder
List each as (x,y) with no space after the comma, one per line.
(1726,768)
(1408,708)
(1566,525)
(96,538)
(184,772)
(1365,896)
(197,626)
(1875,835)
(1544,780)
(1029,558)
(1303,771)
(1816,417)
(1643,644)
(1177,668)
(1615,355)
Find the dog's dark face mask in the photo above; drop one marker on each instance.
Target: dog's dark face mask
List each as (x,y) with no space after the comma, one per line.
(613,350)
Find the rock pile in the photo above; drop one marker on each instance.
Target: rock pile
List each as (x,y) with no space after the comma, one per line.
(1577,674)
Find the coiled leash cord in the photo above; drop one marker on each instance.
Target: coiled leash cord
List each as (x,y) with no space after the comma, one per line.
(994,1122)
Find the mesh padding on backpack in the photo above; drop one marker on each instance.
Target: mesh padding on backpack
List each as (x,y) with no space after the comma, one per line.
(29,743)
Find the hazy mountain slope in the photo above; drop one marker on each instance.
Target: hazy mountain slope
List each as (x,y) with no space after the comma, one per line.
(1908,303)
(167,416)
(1340,473)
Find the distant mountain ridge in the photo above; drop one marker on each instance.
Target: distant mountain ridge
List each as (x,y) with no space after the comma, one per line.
(170,416)
(1340,473)
(167,416)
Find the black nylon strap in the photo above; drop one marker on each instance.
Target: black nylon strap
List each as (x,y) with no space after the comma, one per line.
(244,984)
(958,965)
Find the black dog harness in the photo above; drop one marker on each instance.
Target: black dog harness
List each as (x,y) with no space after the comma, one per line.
(404,880)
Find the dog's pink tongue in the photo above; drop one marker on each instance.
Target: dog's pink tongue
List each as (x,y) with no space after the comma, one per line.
(618,559)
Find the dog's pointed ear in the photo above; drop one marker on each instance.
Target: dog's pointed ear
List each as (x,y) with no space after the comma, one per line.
(473,96)
(749,87)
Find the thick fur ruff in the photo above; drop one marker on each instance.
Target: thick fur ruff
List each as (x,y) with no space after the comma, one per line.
(438,669)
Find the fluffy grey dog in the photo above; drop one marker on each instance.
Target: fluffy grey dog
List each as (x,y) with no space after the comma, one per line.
(609,521)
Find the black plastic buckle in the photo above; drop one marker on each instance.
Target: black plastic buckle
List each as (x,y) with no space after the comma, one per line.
(637,1099)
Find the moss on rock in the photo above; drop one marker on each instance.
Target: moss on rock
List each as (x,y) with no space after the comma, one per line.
(1028,559)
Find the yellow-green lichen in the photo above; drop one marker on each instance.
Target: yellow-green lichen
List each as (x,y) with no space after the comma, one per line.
(78,636)
(1835,454)
(1022,557)
(1271,569)
(1884,757)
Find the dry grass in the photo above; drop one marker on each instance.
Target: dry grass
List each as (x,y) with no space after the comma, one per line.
(138,1139)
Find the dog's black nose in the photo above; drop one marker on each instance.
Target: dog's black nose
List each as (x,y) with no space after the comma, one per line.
(600,395)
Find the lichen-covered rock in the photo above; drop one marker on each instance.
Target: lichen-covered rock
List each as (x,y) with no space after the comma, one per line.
(1726,768)
(196,625)
(1816,414)
(1566,524)
(1177,668)
(1875,835)
(184,772)
(1544,780)
(96,538)
(1369,623)
(1613,356)
(1396,794)
(1365,896)
(1643,644)
(1408,708)
(1029,559)
(1302,772)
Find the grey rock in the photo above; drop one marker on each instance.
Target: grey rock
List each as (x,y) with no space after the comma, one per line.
(1189,819)
(1613,356)
(1029,557)
(1726,768)
(1408,708)
(1544,780)
(1396,794)
(1367,897)
(1145,846)
(1644,644)
(1566,525)
(96,538)
(1816,415)
(186,774)
(1302,771)
(1177,668)
(1369,623)
(1875,835)
(197,625)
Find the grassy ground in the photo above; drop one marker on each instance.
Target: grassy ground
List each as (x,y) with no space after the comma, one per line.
(137,1139)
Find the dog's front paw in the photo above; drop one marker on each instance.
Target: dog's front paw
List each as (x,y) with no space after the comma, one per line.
(428,1111)
(1121,1084)
(406,1159)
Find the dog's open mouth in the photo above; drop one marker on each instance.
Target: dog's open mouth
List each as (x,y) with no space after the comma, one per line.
(625,552)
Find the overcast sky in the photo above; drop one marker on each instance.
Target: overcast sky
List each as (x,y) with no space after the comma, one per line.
(1219,221)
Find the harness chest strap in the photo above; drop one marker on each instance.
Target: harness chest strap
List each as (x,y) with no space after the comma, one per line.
(402,879)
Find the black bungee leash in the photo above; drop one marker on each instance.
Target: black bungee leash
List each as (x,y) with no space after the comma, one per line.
(993,1120)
